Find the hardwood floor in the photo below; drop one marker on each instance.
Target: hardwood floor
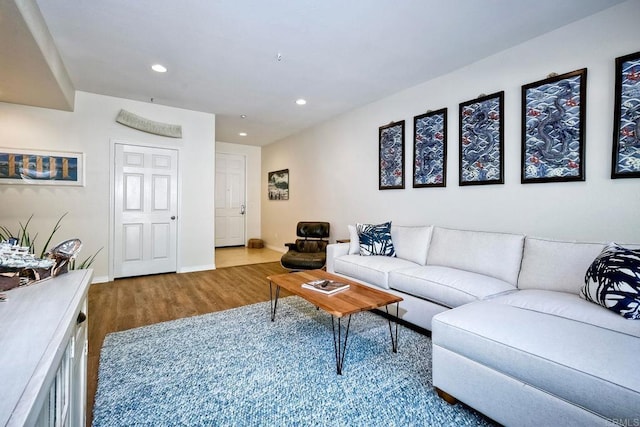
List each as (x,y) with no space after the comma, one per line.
(139,301)
(233,256)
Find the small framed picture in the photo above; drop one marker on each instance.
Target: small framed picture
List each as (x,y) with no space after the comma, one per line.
(482,140)
(278,185)
(553,117)
(626,122)
(430,149)
(36,167)
(391,156)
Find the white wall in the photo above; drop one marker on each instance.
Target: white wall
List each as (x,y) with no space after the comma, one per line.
(90,128)
(334,166)
(252,155)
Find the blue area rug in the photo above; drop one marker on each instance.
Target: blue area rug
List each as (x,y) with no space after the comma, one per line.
(237,368)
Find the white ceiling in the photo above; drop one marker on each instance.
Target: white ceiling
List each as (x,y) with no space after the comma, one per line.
(222,54)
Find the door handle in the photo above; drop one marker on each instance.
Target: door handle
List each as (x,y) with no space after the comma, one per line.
(81,318)
(173,217)
(242,209)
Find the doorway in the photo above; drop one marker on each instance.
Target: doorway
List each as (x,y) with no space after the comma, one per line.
(230,200)
(145,194)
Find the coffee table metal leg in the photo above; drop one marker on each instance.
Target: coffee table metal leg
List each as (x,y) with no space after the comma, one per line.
(273,303)
(340,345)
(394,338)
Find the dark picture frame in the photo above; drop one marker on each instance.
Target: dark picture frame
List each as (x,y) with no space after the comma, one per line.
(482,140)
(391,156)
(553,128)
(430,149)
(278,185)
(625,160)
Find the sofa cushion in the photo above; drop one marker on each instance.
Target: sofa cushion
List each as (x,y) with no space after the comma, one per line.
(370,269)
(411,243)
(493,254)
(613,281)
(569,306)
(375,239)
(446,286)
(556,266)
(588,366)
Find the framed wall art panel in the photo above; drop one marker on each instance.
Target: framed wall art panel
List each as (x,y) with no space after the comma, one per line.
(36,167)
(278,185)
(482,140)
(391,156)
(430,149)
(626,124)
(553,130)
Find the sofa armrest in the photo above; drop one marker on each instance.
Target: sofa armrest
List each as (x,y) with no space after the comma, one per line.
(335,250)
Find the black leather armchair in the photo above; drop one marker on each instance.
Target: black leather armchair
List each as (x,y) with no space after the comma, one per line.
(309,252)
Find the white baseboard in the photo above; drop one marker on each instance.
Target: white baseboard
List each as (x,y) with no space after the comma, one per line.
(190,269)
(277,249)
(100,279)
(194,268)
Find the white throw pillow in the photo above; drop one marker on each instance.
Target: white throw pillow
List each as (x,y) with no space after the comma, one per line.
(354,241)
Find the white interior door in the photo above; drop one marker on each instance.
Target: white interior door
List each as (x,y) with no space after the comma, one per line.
(145,210)
(230,199)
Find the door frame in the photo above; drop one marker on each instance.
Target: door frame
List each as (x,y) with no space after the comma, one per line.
(112,204)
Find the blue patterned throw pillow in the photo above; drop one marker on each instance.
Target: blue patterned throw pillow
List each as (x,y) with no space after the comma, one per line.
(375,239)
(613,281)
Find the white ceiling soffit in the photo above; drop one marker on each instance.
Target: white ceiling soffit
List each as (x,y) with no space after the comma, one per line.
(31,70)
(222,56)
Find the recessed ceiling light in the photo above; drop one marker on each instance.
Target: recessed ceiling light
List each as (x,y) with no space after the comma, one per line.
(242,134)
(243,116)
(159,68)
(301,101)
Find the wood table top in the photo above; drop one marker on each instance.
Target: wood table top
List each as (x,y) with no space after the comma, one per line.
(356,298)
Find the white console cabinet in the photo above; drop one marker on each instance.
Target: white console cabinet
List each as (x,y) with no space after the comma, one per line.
(43,352)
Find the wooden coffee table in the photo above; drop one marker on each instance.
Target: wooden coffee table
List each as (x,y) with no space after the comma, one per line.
(341,304)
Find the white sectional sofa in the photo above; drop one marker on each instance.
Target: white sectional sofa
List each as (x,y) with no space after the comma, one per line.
(511,336)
